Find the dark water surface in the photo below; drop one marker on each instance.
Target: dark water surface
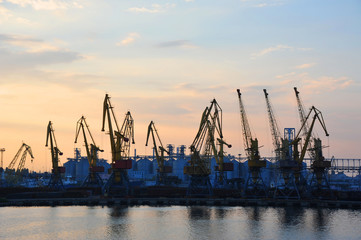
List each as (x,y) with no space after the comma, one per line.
(177,222)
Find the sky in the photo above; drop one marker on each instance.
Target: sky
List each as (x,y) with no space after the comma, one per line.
(165,60)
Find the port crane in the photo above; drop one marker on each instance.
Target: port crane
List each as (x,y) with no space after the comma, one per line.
(254,185)
(55,178)
(14,176)
(93,179)
(120,140)
(26,150)
(202,149)
(285,184)
(314,148)
(163,170)
(318,163)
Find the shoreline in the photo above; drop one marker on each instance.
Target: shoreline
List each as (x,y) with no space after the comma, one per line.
(161,202)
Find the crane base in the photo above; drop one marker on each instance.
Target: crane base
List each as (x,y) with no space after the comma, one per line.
(55,182)
(285,186)
(93,180)
(199,186)
(255,186)
(117,184)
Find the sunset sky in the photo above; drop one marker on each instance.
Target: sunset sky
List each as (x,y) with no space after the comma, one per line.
(165,60)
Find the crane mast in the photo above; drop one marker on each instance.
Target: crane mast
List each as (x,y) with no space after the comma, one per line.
(120,140)
(55,179)
(93,179)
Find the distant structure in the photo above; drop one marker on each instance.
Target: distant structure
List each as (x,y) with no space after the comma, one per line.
(77,168)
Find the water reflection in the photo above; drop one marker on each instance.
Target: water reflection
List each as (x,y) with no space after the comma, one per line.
(119,223)
(320,219)
(117,212)
(199,212)
(179,223)
(221,212)
(254,226)
(290,216)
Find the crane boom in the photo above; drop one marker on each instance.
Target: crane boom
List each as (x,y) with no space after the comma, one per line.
(317,115)
(247,135)
(26,149)
(304,123)
(302,113)
(276,134)
(109,114)
(158,149)
(250,144)
(23,158)
(91,149)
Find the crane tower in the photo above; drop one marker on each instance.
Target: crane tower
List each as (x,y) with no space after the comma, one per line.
(285,184)
(55,178)
(120,140)
(93,179)
(254,185)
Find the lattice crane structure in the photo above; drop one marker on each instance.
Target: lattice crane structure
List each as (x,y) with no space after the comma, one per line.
(55,178)
(164,170)
(14,176)
(120,140)
(202,150)
(254,185)
(26,150)
(285,184)
(319,164)
(93,179)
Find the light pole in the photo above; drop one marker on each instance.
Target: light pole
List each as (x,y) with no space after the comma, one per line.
(239,165)
(2,150)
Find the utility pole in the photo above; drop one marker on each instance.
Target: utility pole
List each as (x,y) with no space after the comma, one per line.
(2,150)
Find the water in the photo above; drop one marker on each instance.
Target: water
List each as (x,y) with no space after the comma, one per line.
(178,222)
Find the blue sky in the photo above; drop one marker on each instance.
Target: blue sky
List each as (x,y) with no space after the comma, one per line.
(165,61)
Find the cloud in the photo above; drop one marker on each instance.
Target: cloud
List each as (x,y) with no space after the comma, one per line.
(262,3)
(315,84)
(286,75)
(18,60)
(6,15)
(47,4)
(306,65)
(277,48)
(129,39)
(195,90)
(156,8)
(327,83)
(21,51)
(28,43)
(176,43)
